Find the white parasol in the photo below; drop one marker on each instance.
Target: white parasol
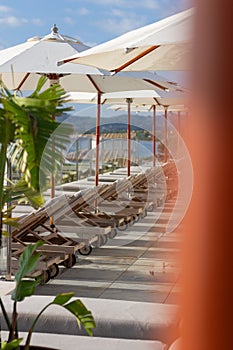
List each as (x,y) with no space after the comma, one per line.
(163,45)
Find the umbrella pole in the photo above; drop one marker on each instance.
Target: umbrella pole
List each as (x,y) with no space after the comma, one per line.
(165,135)
(129,101)
(52,183)
(97,139)
(9,230)
(154,135)
(77,158)
(53,79)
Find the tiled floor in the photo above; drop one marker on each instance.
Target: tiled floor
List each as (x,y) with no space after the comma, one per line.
(141,264)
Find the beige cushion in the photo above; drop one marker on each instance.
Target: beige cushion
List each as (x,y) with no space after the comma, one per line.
(65,342)
(114,318)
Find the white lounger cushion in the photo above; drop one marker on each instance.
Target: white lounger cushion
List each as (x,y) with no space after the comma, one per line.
(73,342)
(114,318)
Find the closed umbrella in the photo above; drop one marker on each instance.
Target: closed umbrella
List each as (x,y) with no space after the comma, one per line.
(163,45)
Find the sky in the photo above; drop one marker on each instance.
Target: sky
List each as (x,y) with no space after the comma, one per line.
(91,21)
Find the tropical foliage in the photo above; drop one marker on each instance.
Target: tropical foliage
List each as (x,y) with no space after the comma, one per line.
(25,287)
(26,126)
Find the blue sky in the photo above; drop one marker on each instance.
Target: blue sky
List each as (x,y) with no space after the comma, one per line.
(91,21)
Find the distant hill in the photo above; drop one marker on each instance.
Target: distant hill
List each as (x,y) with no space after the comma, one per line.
(113,124)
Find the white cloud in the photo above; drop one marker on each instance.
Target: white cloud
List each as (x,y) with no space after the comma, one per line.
(13,21)
(37,21)
(117,21)
(10,20)
(83,11)
(120,26)
(151,4)
(5,9)
(118,13)
(69,20)
(109,2)
(161,5)
(80,11)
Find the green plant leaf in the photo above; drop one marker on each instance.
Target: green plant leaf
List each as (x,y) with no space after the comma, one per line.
(25,288)
(21,192)
(78,309)
(11,221)
(62,298)
(12,345)
(27,123)
(40,84)
(27,263)
(82,314)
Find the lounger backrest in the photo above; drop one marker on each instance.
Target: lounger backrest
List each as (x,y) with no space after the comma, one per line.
(31,221)
(115,189)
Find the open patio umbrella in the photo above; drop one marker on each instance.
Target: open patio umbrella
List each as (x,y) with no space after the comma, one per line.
(154,108)
(140,97)
(143,98)
(99,98)
(163,45)
(22,65)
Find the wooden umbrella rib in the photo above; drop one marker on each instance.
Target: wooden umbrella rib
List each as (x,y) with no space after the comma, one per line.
(136,58)
(157,101)
(94,84)
(99,92)
(23,81)
(155,84)
(67,60)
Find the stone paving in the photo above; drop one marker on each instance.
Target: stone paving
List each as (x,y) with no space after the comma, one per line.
(140,264)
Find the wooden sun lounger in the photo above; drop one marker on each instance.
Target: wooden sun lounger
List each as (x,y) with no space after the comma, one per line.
(120,195)
(36,226)
(29,232)
(90,214)
(150,187)
(96,217)
(127,198)
(47,266)
(115,205)
(71,215)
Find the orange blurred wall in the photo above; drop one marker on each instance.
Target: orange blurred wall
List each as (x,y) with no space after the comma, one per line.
(208,228)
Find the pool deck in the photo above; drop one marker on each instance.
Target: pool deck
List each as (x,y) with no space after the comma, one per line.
(139,264)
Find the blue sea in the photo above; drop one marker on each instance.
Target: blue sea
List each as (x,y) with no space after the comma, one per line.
(140,149)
